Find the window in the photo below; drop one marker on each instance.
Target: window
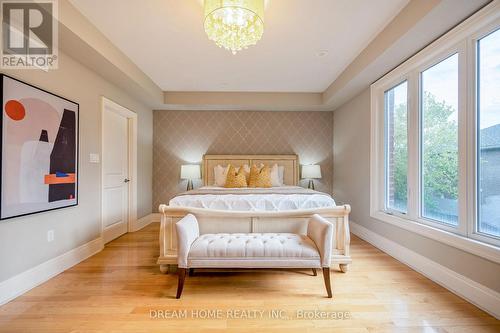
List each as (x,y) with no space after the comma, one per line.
(488,138)
(396,148)
(435,139)
(439,145)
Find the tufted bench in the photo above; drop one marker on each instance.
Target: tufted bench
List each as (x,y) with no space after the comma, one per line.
(254,250)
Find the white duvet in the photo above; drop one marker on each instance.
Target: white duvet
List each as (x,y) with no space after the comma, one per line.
(288,198)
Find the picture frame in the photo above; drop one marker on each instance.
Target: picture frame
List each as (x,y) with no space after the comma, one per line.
(39,140)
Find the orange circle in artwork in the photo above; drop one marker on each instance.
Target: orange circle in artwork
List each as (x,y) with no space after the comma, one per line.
(15,110)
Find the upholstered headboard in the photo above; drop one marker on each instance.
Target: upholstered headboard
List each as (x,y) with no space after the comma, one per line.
(289,162)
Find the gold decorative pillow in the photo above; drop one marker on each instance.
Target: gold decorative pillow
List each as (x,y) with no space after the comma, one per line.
(259,177)
(235,178)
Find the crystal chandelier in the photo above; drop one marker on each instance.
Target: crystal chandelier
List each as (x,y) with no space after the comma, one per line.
(234,24)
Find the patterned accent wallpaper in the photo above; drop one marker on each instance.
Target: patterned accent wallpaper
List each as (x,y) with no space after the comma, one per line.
(183,137)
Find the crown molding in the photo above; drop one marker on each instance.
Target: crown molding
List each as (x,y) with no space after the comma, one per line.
(243,101)
(417,25)
(414,27)
(82,41)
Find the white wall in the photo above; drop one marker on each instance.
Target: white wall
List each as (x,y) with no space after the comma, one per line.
(351,184)
(23,241)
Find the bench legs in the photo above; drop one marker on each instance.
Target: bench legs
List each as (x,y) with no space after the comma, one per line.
(182,272)
(326,276)
(164,269)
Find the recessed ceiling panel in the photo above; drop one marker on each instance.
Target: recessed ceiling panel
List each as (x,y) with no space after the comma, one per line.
(305,46)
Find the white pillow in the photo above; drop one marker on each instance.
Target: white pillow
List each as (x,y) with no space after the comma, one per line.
(220,175)
(276,175)
(246,168)
(281,171)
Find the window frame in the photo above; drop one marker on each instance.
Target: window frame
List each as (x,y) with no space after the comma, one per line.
(461,40)
(473,47)
(386,208)
(437,59)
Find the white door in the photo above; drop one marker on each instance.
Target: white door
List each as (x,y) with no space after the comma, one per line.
(115,161)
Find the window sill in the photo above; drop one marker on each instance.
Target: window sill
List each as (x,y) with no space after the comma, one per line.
(472,246)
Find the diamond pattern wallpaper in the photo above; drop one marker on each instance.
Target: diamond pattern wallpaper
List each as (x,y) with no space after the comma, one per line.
(183,137)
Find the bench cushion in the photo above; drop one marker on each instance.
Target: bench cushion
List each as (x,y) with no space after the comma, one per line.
(254,250)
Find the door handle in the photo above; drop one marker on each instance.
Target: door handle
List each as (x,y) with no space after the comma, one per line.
(126,180)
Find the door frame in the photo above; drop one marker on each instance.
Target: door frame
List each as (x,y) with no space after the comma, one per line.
(108,105)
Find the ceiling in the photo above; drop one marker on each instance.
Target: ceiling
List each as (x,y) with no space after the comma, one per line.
(166,40)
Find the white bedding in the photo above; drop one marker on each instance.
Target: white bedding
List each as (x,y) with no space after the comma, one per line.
(288,198)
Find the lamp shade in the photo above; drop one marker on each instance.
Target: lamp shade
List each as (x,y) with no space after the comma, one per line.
(311,171)
(191,171)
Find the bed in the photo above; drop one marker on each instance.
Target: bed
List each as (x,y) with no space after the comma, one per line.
(251,199)
(286,208)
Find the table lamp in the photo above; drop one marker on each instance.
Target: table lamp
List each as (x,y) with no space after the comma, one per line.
(190,172)
(311,172)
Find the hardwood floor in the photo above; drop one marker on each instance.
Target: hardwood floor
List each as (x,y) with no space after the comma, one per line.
(121,290)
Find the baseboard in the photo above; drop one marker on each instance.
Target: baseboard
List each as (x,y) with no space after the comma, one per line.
(156,217)
(21,283)
(475,293)
(144,221)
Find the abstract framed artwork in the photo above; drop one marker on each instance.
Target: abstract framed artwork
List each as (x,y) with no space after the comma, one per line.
(39,140)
